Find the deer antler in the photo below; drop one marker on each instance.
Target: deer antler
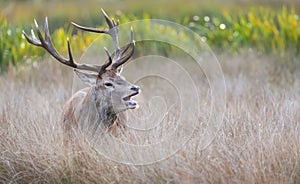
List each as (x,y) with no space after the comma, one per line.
(47,44)
(118,59)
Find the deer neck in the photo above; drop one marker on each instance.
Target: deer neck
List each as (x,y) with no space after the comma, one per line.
(96,110)
(104,108)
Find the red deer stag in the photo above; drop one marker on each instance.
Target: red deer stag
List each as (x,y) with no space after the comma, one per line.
(109,93)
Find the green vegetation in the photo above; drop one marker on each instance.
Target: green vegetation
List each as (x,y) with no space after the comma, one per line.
(12,47)
(272,31)
(261,28)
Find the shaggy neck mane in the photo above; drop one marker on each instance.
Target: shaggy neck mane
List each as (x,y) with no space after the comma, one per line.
(98,109)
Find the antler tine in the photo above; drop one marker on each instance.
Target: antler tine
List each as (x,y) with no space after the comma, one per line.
(33,40)
(90,29)
(113,32)
(103,67)
(111,24)
(47,44)
(122,60)
(125,48)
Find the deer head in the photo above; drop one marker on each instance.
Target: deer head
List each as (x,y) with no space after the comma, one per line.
(109,90)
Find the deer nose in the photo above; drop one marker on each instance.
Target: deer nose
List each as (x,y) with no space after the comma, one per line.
(135,88)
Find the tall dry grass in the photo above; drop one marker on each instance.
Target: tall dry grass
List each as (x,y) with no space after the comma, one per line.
(258,142)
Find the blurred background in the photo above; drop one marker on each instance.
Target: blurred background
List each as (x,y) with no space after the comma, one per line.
(270,27)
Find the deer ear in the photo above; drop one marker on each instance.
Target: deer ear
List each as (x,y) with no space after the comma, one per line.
(88,78)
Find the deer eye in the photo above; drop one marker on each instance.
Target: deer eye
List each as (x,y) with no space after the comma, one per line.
(108,84)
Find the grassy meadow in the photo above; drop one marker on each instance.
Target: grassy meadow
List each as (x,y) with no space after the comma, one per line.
(258,142)
(257,45)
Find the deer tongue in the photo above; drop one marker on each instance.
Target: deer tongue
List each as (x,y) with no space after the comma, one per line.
(129,102)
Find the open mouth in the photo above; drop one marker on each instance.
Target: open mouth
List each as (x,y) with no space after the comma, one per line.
(129,102)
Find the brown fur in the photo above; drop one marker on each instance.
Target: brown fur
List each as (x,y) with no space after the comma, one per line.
(98,107)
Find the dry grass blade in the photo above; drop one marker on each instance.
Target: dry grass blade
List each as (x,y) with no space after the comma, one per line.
(258,143)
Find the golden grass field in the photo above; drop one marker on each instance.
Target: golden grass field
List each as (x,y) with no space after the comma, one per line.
(258,141)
